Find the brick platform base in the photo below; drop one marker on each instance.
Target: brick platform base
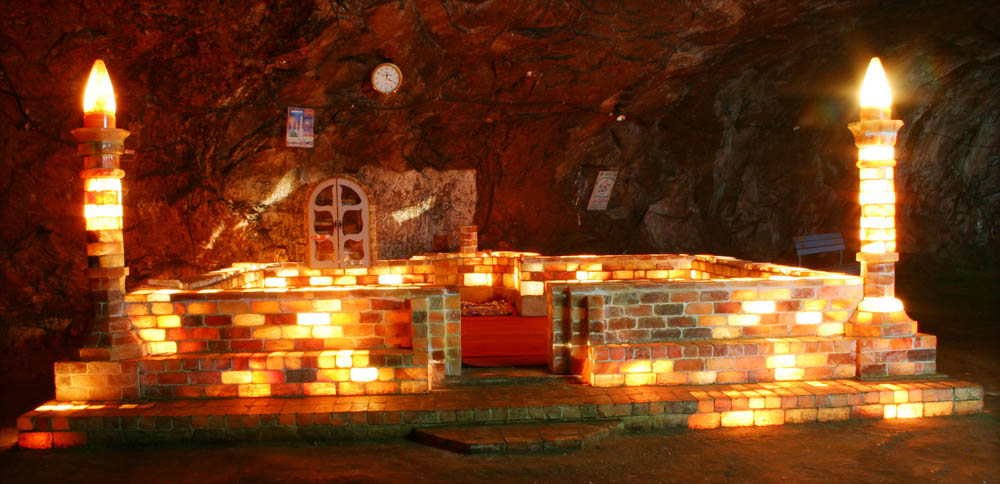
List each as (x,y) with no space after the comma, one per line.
(64,424)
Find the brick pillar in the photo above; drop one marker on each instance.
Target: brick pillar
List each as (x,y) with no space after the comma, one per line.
(888,343)
(469,239)
(109,334)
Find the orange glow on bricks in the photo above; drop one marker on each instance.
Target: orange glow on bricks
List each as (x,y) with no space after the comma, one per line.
(364,374)
(162,347)
(236,377)
(741,418)
(311,319)
(255,390)
(390,279)
(275,282)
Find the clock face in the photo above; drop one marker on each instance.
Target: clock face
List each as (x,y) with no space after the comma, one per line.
(386,78)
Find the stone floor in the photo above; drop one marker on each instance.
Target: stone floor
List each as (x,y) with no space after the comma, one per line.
(60,424)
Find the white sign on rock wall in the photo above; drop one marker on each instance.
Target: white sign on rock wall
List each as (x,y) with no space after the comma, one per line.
(603,186)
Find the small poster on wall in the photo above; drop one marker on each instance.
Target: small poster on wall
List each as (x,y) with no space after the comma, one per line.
(602,190)
(299,130)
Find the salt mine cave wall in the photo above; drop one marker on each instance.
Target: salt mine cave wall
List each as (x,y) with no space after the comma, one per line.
(725,119)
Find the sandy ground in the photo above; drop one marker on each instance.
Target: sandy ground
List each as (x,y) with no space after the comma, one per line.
(958,308)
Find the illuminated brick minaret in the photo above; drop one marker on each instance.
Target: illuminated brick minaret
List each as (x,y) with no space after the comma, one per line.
(108,335)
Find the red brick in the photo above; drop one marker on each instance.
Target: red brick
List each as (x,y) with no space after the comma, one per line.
(172,378)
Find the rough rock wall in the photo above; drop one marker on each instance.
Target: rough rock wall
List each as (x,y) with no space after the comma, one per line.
(732,135)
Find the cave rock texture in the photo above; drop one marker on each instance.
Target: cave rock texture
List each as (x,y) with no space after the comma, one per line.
(726,121)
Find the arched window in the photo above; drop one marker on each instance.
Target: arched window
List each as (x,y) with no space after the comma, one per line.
(339,225)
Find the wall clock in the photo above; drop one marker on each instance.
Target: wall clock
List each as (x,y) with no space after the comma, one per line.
(386,78)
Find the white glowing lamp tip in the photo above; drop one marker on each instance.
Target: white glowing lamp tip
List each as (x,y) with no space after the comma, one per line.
(99,97)
(875,91)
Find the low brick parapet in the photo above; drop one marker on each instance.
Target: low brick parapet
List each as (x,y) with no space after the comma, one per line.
(710,362)
(286,374)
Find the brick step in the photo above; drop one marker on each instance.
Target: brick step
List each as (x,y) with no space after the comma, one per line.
(721,361)
(514,438)
(58,424)
(283,373)
(521,375)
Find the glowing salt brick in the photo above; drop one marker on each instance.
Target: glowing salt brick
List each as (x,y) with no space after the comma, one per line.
(808,317)
(476,279)
(287,272)
(704,420)
(663,366)
(607,380)
(781,361)
(162,347)
(830,329)
(152,334)
(880,305)
(744,319)
(787,374)
(725,332)
(737,418)
(326,305)
(344,318)
(386,374)
(833,414)
(531,267)
(202,308)
(808,360)
(744,295)
(639,379)
(275,282)
(248,320)
(345,358)
(390,279)
(360,358)
(312,319)
(103,185)
(779,346)
(162,308)
(582,275)
(345,281)
(319,388)
(267,376)
(532,288)
(169,321)
(267,332)
(134,309)
(34,440)
(104,223)
(763,418)
(637,366)
(321,281)
(295,332)
(900,396)
(701,377)
(800,415)
(254,390)
(333,375)
(775,294)
(364,374)
(758,307)
(230,377)
(814,304)
(327,332)
(756,402)
(889,411)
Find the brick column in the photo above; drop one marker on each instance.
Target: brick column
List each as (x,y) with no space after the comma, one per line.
(109,334)
(469,239)
(888,343)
